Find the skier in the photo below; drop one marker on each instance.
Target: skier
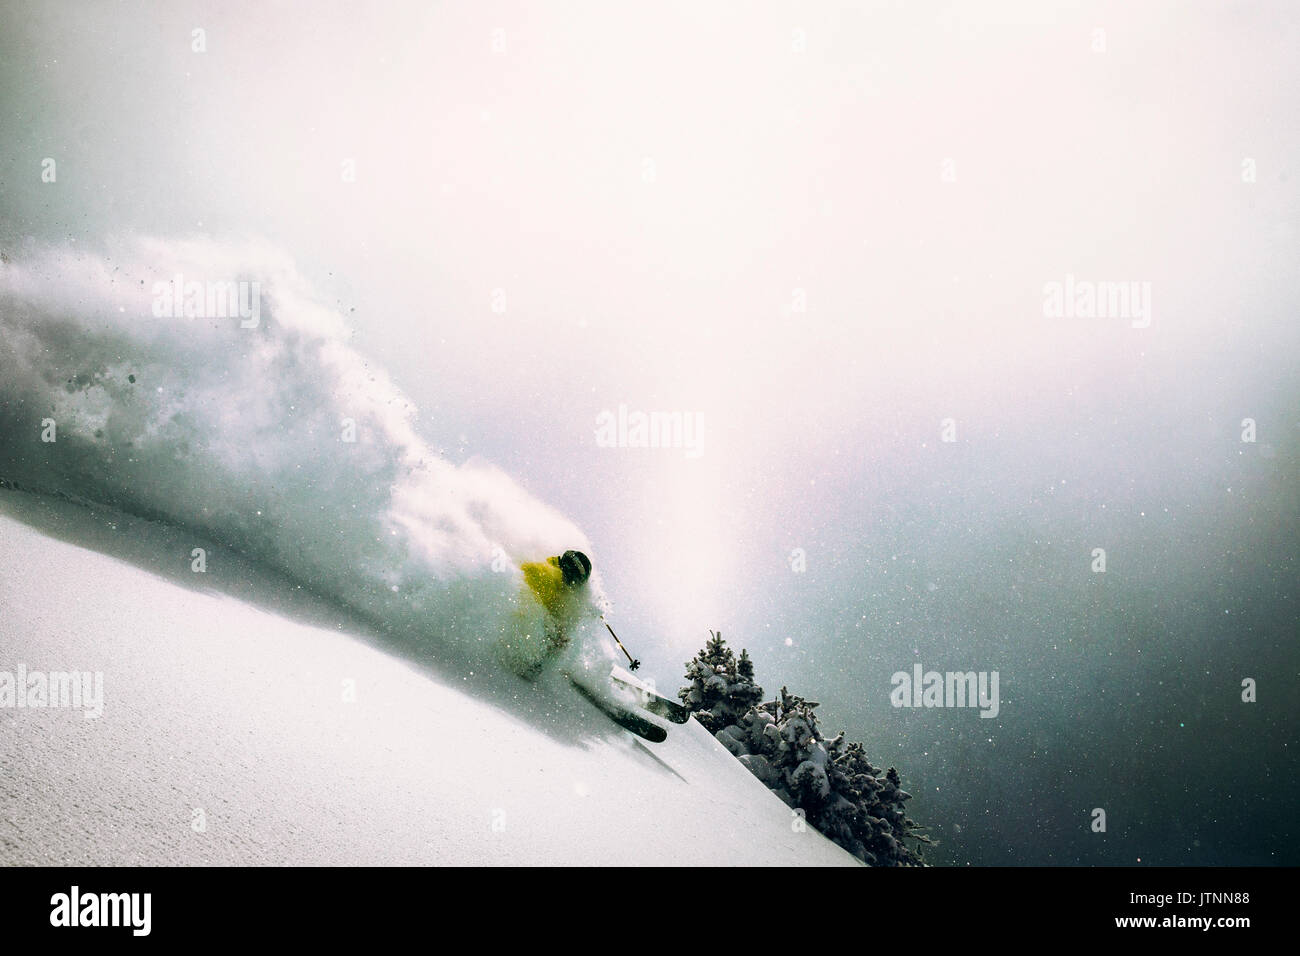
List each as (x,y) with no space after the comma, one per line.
(559,586)
(556,593)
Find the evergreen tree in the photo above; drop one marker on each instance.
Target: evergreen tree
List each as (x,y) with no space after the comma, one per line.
(721,687)
(840,793)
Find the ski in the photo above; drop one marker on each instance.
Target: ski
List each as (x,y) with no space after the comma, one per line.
(625,718)
(651,699)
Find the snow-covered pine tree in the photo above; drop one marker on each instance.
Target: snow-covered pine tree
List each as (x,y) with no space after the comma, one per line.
(744,691)
(841,794)
(721,687)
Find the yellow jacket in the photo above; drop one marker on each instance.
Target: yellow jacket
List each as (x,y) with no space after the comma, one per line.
(546,582)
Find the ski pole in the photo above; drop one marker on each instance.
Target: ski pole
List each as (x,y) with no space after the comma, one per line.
(634,664)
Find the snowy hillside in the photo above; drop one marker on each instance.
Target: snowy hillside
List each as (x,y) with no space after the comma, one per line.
(228,736)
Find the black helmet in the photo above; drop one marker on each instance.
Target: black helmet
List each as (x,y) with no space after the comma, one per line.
(576,568)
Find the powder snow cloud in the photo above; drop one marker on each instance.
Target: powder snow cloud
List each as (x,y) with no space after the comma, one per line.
(280,440)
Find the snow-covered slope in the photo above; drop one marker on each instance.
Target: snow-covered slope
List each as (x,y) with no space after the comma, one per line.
(226,737)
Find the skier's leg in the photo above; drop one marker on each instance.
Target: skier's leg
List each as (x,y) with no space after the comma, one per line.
(556,638)
(523,649)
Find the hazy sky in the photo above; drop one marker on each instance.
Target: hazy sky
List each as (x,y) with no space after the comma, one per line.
(824,229)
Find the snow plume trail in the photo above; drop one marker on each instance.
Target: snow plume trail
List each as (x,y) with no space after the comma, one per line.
(254,422)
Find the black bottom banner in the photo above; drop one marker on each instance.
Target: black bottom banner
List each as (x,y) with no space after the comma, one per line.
(923,906)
